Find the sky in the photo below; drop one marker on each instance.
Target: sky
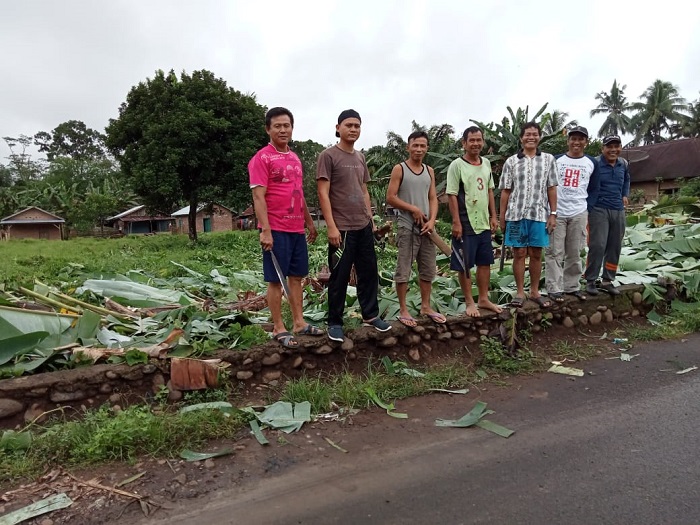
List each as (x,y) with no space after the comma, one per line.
(393,61)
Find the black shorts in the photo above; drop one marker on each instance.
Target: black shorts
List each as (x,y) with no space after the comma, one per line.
(475,250)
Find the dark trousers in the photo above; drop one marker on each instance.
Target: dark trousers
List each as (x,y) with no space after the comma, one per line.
(606,230)
(357,248)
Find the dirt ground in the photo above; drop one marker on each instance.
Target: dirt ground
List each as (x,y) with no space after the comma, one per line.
(164,481)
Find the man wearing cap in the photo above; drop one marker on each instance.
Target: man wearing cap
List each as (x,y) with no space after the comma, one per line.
(577,180)
(528,210)
(342,177)
(276,181)
(606,219)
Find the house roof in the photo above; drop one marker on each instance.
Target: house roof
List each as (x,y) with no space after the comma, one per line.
(186,210)
(125,213)
(51,218)
(668,160)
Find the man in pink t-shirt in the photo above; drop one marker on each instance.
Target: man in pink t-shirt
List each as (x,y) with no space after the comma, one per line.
(276,179)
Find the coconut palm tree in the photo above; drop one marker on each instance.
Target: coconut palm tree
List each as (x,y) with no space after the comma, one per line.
(689,127)
(614,105)
(555,122)
(660,108)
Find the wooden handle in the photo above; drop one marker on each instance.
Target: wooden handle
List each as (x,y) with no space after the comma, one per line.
(441,245)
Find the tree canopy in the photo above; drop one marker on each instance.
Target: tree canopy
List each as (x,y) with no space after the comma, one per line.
(187,138)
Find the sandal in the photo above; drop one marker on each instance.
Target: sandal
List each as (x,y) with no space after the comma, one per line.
(542,301)
(286,339)
(310,329)
(407,321)
(436,317)
(557,297)
(579,294)
(517,302)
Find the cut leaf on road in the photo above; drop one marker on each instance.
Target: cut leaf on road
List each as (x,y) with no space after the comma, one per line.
(566,370)
(190,455)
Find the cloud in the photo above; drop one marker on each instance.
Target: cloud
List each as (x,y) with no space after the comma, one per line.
(393,61)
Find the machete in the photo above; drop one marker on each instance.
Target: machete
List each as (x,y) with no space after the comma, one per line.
(445,248)
(280,275)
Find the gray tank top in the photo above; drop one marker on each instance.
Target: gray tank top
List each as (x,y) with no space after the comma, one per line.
(414,190)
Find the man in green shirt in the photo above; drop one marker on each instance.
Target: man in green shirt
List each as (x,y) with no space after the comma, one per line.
(473,208)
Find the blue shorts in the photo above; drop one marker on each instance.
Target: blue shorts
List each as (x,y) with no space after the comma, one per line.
(526,233)
(474,250)
(292,255)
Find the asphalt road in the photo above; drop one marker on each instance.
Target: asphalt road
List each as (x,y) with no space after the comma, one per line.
(618,446)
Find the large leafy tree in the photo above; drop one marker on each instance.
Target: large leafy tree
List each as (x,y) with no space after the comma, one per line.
(187,138)
(72,139)
(614,106)
(308,152)
(661,107)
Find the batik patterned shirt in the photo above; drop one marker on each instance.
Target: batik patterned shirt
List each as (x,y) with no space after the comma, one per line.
(528,178)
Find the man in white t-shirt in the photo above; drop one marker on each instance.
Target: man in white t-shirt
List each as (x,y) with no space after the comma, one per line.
(578,178)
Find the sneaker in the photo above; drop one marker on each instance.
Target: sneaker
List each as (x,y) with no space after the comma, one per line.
(380,324)
(591,288)
(335,333)
(610,288)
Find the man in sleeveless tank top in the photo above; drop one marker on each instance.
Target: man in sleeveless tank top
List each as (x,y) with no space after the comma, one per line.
(412,192)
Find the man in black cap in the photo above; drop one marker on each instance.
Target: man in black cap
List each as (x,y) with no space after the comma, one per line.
(606,219)
(577,175)
(342,177)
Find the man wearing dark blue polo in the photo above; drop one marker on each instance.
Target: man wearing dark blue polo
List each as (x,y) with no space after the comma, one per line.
(606,217)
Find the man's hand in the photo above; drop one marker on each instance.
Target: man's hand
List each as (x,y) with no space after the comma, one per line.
(334,236)
(625,202)
(266,240)
(419,217)
(457,230)
(493,223)
(312,235)
(503,223)
(551,223)
(427,228)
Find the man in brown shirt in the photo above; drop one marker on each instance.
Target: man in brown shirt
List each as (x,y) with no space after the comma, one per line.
(342,178)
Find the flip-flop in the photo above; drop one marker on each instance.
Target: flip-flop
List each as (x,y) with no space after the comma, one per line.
(437,317)
(310,329)
(579,294)
(407,321)
(542,301)
(286,339)
(517,302)
(557,297)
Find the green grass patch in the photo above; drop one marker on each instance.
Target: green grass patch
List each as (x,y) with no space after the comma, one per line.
(682,319)
(103,435)
(350,391)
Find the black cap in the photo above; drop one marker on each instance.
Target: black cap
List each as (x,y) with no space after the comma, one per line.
(348,113)
(611,138)
(578,129)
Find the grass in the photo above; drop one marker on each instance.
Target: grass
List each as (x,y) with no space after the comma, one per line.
(350,391)
(103,435)
(683,319)
(563,349)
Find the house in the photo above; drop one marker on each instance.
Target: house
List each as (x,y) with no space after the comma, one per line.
(32,223)
(137,220)
(656,169)
(210,218)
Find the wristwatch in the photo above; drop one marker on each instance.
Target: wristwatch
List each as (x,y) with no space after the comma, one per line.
(553,213)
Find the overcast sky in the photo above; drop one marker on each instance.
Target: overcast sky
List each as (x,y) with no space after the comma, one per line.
(393,61)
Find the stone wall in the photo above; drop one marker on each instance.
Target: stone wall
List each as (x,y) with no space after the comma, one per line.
(27,397)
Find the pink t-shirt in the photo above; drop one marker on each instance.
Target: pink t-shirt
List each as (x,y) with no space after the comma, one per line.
(281,174)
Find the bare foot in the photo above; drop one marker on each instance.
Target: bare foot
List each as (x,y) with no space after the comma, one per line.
(472,310)
(488,305)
